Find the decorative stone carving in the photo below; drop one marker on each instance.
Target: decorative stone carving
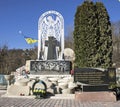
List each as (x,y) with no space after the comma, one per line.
(50,27)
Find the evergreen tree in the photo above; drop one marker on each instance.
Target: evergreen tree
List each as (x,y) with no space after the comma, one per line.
(88,36)
(104,46)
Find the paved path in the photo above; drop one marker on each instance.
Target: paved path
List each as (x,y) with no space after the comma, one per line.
(24,102)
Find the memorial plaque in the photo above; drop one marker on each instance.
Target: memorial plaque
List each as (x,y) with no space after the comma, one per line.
(95,79)
(50,67)
(90,76)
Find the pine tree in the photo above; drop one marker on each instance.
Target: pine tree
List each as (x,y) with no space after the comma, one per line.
(89,47)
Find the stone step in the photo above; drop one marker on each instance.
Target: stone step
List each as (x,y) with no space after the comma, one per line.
(16,90)
(63,96)
(103,96)
(3,87)
(16,96)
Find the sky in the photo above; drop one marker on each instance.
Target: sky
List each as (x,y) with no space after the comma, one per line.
(23,15)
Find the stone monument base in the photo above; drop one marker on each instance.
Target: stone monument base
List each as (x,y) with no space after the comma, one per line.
(18,90)
(102,96)
(93,88)
(17,96)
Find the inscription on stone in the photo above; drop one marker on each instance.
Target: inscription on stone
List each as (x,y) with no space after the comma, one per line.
(95,79)
(91,76)
(50,67)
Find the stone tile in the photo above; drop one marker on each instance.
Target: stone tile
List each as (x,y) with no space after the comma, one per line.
(102,96)
(25,102)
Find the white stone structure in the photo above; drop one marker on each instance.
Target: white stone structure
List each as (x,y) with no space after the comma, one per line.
(50,24)
(69,54)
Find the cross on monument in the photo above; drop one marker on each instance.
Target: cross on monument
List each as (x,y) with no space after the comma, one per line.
(51,43)
(51,28)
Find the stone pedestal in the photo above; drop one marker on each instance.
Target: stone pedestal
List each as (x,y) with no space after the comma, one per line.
(17,90)
(102,96)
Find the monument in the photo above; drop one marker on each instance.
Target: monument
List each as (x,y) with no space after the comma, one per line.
(94,79)
(50,73)
(50,46)
(50,30)
(95,84)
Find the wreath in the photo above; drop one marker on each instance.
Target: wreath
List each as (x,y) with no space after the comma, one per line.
(38,91)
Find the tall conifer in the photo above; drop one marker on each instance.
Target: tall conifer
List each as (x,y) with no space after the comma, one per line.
(92,36)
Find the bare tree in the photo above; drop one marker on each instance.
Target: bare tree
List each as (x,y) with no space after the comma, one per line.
(69,42)
(116,42)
